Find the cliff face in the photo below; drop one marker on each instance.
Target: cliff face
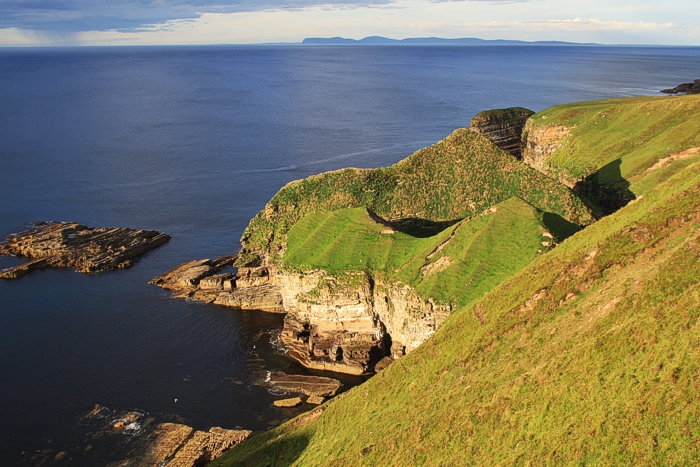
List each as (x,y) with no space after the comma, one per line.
(503,127)
(348,322)
(539,144)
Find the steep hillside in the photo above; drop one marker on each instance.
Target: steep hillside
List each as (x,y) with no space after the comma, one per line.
(588,356)
(457,178)
(612,150)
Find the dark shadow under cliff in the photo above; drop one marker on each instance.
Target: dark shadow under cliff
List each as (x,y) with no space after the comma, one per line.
(606,188)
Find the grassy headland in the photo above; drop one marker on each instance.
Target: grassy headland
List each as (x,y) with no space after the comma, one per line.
(459,177)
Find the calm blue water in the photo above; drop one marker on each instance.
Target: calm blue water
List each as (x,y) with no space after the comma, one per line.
(193,142)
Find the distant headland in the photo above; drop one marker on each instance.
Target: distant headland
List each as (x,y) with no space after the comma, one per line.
(379,40)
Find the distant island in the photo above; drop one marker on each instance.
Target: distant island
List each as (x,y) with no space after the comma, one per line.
(378,40)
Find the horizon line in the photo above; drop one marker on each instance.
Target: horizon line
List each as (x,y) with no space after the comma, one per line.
(382,41)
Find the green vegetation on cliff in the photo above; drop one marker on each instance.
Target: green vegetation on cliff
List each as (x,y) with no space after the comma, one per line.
(455,266)
(457,178)
(588,356)
(621,147)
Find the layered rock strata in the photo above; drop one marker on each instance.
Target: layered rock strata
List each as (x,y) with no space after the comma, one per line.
(308,385)
(178,445)
(350,322)
(343,323)
(503,127)
(247,289)
(539,143)
(85,249)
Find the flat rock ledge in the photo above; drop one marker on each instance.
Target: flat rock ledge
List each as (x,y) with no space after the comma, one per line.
(177,445)
(315,400)
(308,385)
(71,245)
(287,403)
(247,289)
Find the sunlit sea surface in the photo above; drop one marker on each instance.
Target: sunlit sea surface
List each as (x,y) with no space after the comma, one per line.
(193,141)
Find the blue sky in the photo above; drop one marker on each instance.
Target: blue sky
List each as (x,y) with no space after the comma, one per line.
(140,22)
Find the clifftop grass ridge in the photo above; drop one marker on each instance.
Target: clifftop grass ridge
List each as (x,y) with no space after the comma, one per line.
(457,178)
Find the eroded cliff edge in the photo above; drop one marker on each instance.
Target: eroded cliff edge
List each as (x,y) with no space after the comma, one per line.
(359,259)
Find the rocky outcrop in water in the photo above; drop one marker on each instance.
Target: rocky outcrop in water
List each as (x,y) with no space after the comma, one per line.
(247,289)
(503,127)
(307,385)
(687,88)
(71,245)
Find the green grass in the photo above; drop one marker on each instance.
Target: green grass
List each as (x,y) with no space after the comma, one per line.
(622,138)
(477,254)
(588,356)
(457,178)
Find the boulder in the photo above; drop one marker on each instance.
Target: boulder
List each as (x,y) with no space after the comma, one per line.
(383,363)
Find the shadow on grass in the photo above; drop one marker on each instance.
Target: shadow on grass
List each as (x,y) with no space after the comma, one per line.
(277,452)
(414,226)
(606,188)
(558,226)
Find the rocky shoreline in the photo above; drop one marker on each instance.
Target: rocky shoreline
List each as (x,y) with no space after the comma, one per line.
(247,289)
(349,323)
(72,245)
(687,88)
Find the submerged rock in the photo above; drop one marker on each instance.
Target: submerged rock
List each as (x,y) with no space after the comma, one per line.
(307,385)
(288,403)
(71,245)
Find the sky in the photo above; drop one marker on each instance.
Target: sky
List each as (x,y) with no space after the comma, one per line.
(153,22)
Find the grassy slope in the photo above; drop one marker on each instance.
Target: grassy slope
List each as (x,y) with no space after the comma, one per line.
(459,177)
(636,131)
(588,356)
(480,252)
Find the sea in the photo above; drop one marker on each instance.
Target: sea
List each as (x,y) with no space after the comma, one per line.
(193,141)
